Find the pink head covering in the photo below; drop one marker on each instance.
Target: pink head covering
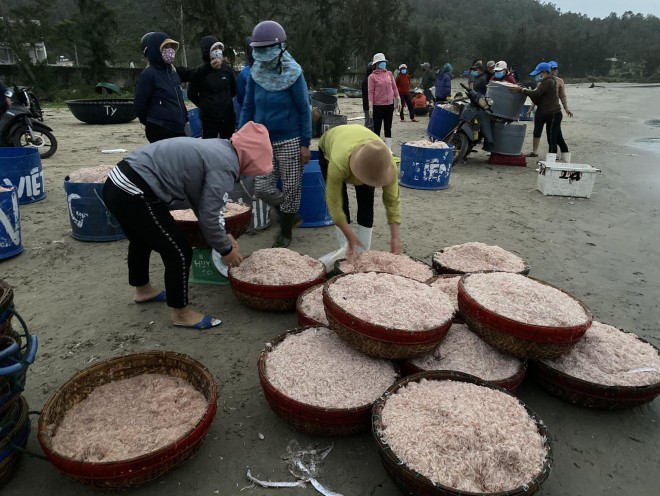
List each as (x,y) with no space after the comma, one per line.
(255,153)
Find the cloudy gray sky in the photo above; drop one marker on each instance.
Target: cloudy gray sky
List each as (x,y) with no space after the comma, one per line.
(602,8)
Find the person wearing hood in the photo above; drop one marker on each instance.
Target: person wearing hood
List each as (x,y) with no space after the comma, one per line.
(403,85)
(502,74)
(276,96)
(173,174)
(212,88)
(443,84)
(382,96)
(158,98)
(352,154)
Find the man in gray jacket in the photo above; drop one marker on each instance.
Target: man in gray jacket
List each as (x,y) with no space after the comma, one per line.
(173,174)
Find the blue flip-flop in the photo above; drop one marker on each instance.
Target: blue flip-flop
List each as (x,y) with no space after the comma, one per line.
(159,298)
(206,323)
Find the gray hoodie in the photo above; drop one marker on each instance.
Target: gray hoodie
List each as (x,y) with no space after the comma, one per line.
(192,173)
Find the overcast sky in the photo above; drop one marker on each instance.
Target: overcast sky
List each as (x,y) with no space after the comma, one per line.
(603,8)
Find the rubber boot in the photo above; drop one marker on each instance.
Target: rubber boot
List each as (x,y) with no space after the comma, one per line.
(329,259)
(566,158)
(388,142)
(364,235)
(283,239)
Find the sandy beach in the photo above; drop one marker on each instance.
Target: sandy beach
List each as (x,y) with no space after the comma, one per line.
(605,250)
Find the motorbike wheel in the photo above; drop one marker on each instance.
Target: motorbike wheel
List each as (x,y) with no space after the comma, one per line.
(461,145)
(45,140)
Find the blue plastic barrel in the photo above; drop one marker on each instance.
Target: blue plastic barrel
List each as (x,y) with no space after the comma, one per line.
(523,113)
(195,123)
(10,224)
(313,209)
(441,123)
(425,168)
(21,167)
(89,217)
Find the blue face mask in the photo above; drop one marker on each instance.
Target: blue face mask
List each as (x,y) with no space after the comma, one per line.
(538,78)
(499,75)
(403,71)
(266,54)
(382,65)
(475,73)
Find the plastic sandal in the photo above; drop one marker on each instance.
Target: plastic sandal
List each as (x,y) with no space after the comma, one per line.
(159,298)
(206,323)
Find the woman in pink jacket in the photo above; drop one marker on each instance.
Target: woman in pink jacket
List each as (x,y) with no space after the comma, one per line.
(382,95)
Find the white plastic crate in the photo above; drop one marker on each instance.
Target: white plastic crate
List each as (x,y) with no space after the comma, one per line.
(560,179)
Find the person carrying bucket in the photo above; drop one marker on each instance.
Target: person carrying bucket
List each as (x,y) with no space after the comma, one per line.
(173,174)
(352,154)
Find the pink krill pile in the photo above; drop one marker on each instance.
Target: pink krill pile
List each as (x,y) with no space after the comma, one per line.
(464,351)
(230,209)
(609,357)
(464,436)
(278,267)
(129,418)
(525,300)
(449,285)
(478,257)
(383,261)
(317,368)
(427,144)
(312,305)
(392,301)
(449,108)
(97,174)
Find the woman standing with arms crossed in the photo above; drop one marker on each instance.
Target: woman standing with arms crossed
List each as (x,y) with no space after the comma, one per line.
(382,94)
(276,96)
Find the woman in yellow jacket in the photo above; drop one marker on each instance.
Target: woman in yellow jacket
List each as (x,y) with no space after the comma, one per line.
(352,154)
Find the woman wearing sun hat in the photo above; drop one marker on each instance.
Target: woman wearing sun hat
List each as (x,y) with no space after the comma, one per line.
(382,95)
(352,154)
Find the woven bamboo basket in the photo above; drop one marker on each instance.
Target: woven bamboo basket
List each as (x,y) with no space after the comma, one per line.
(443,269)
(6,302)
(412,483)
(591,394)
(12,385)
(272,298)
(303,318)
(14,432)
(308,418)
(511,384)
(458,318)
(380,341)
(236,225)
(142,469)
(338,271)
(518,338)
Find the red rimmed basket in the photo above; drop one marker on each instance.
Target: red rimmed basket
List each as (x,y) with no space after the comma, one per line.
(591,394)
(412,483)
(380,341)
(518,338)
(338,271)
(303,318)
(142,469)
(236,225)
(272,298)
(6,301)
(443,269)
(15,431)
(458,318)
(308,418)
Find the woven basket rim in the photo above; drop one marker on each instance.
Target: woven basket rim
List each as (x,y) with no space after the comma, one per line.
(6,295)
(519,374)
(542,368)
(449,270)
(261,365)
(385,450)
(543,328)
(299,309)
(44,438)
(369,325)
(255,286)
(21,418)
(338,271)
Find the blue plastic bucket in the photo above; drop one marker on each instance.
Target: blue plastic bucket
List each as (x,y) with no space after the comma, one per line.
(441,123)
(89,217)
(523,113)
(10,224)
(195,123)
(425,168)
(21,167)
(313,209)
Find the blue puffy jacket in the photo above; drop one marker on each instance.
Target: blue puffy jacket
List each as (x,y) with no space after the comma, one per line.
(442,86)
(158,95)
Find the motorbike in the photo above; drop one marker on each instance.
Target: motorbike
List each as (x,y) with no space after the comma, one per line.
(27,97)
(19,127)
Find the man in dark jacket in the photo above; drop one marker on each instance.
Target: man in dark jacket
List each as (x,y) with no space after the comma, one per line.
(428,81)
(212,88)
(158,97)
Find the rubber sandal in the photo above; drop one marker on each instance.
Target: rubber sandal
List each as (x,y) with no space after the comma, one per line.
(532,154)
(159,298)
(206,323)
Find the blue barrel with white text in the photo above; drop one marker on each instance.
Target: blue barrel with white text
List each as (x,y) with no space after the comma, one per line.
(425,168)
(20,167)
(10,224)
(90,219)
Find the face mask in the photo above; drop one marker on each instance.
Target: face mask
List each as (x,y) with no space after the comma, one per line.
(475,73)
(216,54)
(382,65)
(538,78)
(499,75)
(168,55)
(403,71)
(266,54)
